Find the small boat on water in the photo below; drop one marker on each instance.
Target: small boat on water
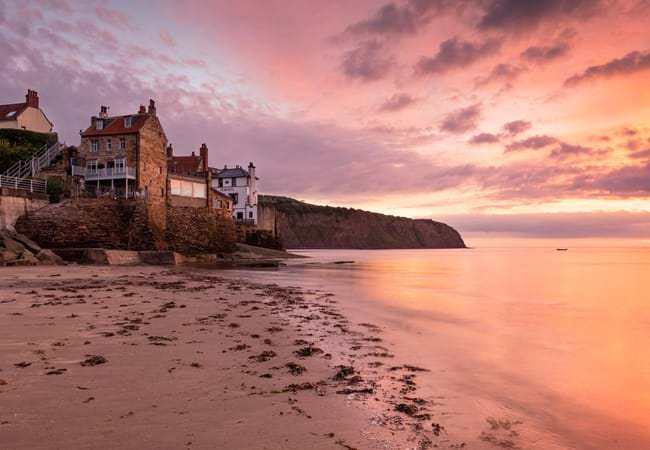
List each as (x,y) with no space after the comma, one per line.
(562,249)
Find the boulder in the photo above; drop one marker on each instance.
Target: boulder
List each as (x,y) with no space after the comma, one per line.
(26,261)
(20,238)
(13,246)
(6,255)
(48,257)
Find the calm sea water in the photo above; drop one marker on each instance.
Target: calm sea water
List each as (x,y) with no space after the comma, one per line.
(557,340)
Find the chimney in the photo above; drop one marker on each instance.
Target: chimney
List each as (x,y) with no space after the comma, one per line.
(103,111)
(31,98)
(251,169)
(203,151)
(152,108)
(170,150)
(142,110)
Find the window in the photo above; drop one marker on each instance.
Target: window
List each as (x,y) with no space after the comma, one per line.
(94,146)
(109,145)
(127,122)
(234,181)
(220,182)
(234,198)
(198,190)
(11,114)
(99,124)
(91,166)
(240,215)
(250,214)
(175,186)
(122,143)
(120,165)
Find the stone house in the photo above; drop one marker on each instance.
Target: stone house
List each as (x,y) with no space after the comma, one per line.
(124,156)
(25,116)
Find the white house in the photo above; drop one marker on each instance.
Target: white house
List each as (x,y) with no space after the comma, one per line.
(25,116)
(241,186)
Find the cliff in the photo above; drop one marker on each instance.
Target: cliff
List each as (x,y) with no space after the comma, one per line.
(302,225)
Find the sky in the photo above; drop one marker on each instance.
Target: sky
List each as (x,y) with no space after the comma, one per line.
(507,117)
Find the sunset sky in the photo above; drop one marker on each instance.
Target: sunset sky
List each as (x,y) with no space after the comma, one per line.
(512,116)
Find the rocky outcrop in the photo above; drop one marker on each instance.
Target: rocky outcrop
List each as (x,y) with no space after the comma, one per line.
(18,250)
(302,225)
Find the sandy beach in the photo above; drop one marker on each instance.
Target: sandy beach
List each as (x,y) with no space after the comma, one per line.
(141,357)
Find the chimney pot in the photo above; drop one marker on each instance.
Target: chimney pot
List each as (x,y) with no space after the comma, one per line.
(142,109)
(152,107)
(31,98)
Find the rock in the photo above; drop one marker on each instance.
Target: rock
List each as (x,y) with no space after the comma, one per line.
(48,257)
(6,255)
(25,261)
(13,246)
(27,242)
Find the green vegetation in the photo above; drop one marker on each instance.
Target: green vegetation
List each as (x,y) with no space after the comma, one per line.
(55,189)
(21,144)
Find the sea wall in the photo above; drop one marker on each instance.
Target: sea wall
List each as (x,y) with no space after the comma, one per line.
(16,203)
(199,230)
(129,224)
(301,225)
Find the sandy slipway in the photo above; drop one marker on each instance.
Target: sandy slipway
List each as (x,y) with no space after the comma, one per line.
(145,358)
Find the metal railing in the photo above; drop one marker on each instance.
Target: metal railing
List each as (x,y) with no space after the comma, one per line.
(104,174)
(24,184)
(40,160)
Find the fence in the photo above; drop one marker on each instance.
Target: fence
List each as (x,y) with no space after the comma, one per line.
(24,184)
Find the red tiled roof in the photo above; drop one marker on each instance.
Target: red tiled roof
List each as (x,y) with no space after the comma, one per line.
(7,109)
(185,164)
(115,125)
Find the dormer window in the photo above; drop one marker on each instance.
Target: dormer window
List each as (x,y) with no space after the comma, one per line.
(99,124)
(128,122)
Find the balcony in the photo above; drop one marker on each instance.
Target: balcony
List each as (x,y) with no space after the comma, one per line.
(110,173)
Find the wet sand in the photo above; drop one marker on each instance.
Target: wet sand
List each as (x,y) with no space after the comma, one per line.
(139,357)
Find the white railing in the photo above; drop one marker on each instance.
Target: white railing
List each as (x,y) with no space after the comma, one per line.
(39,161)
(24,184)
(104,174)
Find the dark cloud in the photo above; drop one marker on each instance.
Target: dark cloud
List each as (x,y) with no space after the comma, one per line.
(455,53)
(642,154)
(397,102)
(525,15)
(566,150)
(462,120)
(484,138)
(631,63)
(516,127)
(545,54)
(532,143)
(559,225)
(367,62)
(401,19)
(503,73)
(630,180)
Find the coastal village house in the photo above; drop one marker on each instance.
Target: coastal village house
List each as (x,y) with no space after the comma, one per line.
(241,186)
(190,182)
(124,155)
(25,116)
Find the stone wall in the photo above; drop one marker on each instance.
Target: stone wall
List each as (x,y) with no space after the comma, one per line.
(102,223)
(129,224)
(16,203)
(152,166)
(199,230)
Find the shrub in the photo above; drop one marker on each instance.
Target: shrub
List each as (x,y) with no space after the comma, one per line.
(55,189)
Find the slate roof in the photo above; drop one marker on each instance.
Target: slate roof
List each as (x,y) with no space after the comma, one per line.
(115,125)
(185,164)
(232,173)
(16,108)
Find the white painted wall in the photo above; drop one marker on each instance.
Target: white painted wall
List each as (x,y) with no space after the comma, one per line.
(31,119)
(246,200)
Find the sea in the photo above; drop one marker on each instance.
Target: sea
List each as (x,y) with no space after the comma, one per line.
(551,346)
